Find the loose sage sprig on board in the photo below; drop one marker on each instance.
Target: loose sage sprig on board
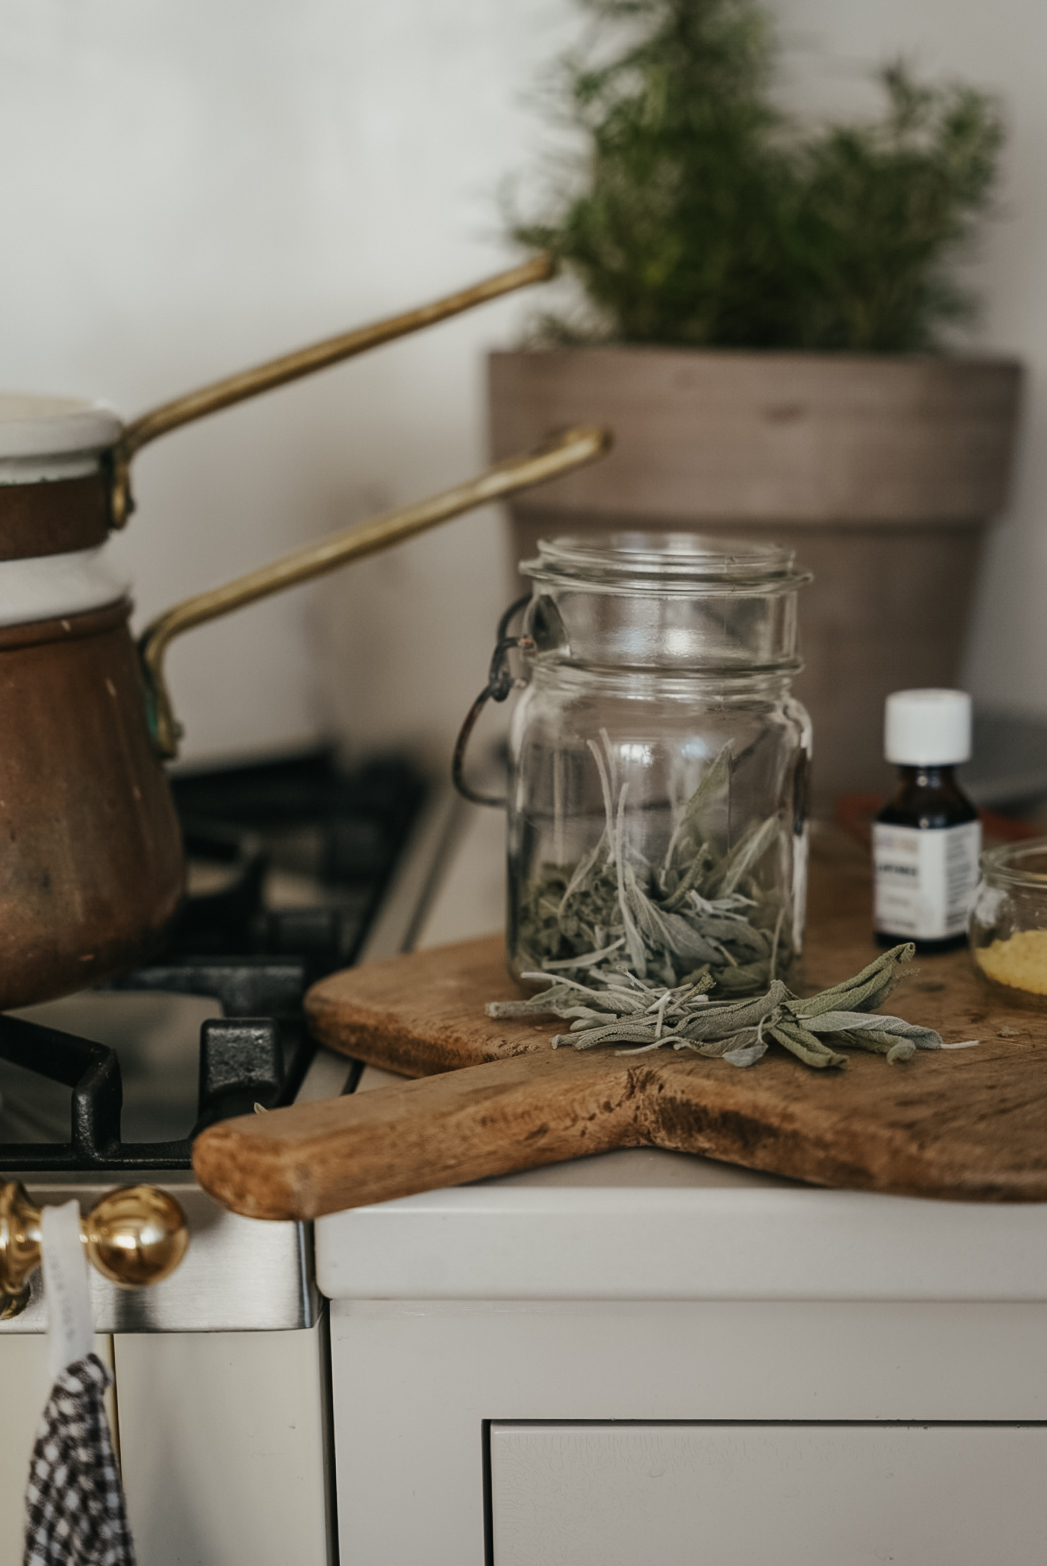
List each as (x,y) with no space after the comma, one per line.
(696,913)
(617,1007)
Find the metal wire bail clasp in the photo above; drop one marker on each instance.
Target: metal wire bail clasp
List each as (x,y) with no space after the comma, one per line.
(500,681)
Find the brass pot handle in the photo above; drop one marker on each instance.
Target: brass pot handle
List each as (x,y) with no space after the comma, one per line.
(292,366)
(134,1236)
(548,461)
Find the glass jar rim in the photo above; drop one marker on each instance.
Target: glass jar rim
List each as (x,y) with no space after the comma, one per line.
(1006,863)
(673,562)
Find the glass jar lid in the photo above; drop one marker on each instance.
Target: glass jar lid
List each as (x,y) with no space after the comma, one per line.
(668,601)
(1019,865)
(690,564)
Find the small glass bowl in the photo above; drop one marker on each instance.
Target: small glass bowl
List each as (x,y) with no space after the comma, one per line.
(1007,930)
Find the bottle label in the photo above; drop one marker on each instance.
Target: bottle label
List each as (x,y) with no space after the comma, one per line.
(925,879)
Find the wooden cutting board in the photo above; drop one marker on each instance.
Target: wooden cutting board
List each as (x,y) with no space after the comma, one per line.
(494,1097)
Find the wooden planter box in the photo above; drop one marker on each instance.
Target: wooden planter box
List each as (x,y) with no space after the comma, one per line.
(882,473)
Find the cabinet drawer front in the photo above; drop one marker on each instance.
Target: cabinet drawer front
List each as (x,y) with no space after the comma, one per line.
(767,1495)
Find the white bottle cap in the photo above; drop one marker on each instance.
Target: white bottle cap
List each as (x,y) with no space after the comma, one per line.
(927,728)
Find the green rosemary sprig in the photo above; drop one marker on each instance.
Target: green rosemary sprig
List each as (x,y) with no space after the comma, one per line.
(695,213)
(615,1006)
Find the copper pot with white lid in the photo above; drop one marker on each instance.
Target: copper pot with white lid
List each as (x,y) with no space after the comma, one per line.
(91,867)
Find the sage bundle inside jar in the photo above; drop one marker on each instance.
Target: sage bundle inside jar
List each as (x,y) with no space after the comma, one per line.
(656,810)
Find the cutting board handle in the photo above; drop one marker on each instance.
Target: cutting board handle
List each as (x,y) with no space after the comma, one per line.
(312,1159)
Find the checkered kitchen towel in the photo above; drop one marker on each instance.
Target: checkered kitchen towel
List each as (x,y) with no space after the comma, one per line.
(74,1504)
(75,1513)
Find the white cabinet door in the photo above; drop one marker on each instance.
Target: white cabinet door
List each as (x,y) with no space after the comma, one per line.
(768,1495)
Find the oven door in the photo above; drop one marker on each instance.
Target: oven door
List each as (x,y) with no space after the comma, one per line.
(219,1401)
(219,1407)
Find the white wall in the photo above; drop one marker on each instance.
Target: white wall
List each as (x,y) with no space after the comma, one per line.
(1002,47)
(188,186)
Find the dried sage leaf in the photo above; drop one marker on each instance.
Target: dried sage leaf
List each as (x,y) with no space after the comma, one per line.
(616,1006)
(699,912)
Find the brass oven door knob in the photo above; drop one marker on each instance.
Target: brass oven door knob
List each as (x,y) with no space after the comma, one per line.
(133,1236)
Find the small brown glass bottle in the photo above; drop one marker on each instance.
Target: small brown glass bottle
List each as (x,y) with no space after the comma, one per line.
(927,838)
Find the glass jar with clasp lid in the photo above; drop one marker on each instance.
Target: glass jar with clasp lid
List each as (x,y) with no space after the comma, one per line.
(658,761)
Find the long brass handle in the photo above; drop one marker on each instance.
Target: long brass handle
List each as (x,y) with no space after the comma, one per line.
(292,366)
(134,1236)
(557,456)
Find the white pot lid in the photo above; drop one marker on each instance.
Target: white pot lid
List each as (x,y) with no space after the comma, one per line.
(35,426)
(47,586)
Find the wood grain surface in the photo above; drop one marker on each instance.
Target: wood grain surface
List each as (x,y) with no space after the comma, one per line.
(714,439)
(881,473)
(968,1125)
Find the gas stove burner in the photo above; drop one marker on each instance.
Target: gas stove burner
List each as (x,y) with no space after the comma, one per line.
(291,856)
(289,861)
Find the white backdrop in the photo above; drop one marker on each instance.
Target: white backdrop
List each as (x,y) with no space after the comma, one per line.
(1001,47)
(189,187)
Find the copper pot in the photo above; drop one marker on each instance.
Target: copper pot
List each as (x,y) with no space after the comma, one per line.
(92,868)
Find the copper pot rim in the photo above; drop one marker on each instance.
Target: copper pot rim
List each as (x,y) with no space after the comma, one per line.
(66,627)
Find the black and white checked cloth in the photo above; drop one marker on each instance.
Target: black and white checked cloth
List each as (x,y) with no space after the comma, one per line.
(75,1513)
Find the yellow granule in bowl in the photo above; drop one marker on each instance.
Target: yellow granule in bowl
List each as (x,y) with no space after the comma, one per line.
(1020,961)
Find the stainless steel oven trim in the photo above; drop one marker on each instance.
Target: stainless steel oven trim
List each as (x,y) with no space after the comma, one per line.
(239,1274)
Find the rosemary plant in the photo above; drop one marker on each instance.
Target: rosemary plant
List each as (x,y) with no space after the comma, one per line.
(703,216)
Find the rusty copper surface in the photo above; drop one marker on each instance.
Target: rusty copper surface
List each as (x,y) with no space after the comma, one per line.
(91,866)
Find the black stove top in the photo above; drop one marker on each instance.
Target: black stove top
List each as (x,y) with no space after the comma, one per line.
(289,861)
